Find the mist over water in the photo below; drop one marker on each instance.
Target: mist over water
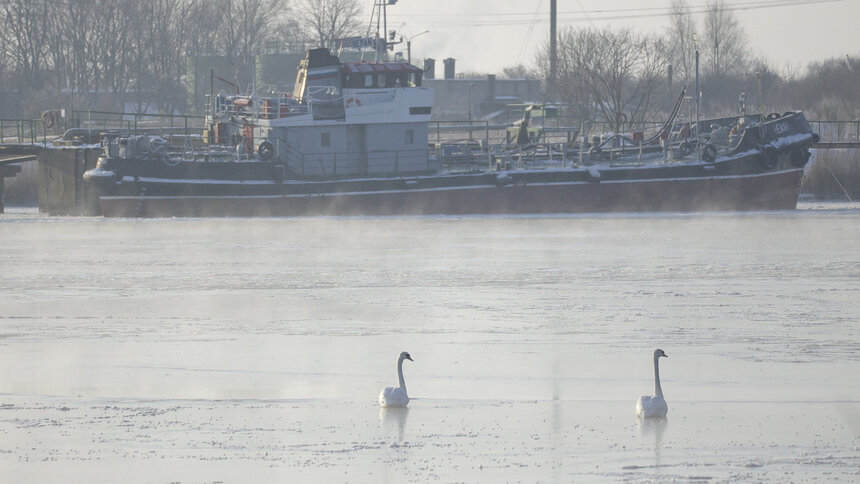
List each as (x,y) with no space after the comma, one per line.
(201,350)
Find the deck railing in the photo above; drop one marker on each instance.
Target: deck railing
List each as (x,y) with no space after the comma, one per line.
(138,123)
(37,131)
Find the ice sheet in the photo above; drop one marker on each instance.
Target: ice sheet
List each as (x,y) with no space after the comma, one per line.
(253,349)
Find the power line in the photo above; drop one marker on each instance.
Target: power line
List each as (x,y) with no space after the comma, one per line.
(606,14)
(530,31)
(739,5)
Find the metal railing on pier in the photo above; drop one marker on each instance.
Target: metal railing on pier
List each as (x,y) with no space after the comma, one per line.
(165,125)
(25,131)
(837,134)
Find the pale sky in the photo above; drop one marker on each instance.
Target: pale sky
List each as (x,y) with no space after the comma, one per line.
(487,35)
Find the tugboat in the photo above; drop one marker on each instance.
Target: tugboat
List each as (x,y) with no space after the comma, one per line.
(351,139)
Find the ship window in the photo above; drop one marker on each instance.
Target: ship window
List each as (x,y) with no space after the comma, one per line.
(410,137)
(325,140)
(414,79)
(368,80)
(381,80)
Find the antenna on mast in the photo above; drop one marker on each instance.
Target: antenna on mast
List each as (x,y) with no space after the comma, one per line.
(381,15)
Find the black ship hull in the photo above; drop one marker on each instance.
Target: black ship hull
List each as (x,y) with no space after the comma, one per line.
(765,191)
(763,172)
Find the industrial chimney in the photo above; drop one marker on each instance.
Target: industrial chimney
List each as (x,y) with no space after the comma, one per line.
(429,68)
(449,68)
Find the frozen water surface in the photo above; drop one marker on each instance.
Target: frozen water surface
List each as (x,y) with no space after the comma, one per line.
(253,350)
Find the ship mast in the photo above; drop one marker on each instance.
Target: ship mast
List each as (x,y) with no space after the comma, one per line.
(381,14)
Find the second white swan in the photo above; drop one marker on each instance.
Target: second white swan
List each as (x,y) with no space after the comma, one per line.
(649,407)
(396,396)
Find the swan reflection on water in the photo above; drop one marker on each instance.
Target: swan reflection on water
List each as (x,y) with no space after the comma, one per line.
(653,426)
(394,417)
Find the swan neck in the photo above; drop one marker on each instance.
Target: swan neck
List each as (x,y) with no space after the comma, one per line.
(400,374)
(658,390)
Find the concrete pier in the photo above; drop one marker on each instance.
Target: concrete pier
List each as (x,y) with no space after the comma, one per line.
(62,190)
(6,171)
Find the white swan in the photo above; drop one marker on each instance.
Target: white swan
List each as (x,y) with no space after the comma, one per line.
(396,396)
(655,406)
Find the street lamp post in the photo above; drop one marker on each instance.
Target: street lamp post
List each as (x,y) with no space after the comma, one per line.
(698,93)
(409,46)
(469,90)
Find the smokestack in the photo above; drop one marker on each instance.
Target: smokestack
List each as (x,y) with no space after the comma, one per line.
(449,68)
(429,68)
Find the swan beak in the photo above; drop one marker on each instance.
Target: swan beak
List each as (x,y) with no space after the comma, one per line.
(409,358)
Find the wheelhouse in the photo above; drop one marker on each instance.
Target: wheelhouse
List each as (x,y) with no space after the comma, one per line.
(365,75)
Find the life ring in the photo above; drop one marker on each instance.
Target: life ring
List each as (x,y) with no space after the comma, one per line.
(799,157)
(768,157)
(709,153)
(353,100)
(48,119)
(266,150)
(685,148)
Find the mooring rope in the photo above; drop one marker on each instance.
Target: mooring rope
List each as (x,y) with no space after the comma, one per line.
(840,184)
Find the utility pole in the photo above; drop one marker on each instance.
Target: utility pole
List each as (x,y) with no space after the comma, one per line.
(698,92)
(552,50)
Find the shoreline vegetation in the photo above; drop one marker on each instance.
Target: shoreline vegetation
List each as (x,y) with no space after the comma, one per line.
(157,57)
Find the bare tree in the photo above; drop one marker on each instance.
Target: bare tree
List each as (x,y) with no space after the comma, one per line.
(287,35)
(161,48)
(609,75)
(26,27)
(518,71)
(201,40)
(572,45)
(246,24)
(113,43)
(326,21)
(831,88)
(4,47)
(724,41)
(679,40)
(73,49)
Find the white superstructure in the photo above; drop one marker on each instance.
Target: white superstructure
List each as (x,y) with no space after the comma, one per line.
(352,118)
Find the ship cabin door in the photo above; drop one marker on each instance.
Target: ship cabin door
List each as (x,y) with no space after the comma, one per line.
(356,146)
